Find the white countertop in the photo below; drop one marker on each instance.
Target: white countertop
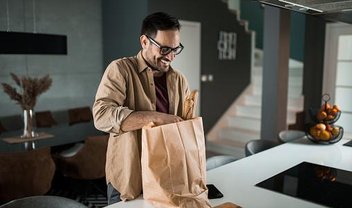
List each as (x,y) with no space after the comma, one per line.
(237,180)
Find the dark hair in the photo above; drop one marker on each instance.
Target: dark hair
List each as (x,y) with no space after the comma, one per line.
(159,21)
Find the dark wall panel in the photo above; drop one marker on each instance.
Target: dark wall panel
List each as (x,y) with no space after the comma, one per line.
(313,62)
(121,28)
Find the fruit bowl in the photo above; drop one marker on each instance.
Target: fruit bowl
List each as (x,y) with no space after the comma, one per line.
(316,115)
(327,135)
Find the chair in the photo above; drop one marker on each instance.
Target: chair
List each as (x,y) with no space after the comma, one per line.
(25,173)
(84,160)
(44,119)
(254,146)
(290,135)
(219,160)
(43,202)
(2,128)
(79,115)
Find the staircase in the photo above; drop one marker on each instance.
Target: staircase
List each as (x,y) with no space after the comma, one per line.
(242,121)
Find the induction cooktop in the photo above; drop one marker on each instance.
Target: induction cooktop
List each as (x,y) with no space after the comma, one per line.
(315,183)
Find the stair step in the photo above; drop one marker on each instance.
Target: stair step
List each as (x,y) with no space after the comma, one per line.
(255,111)
(244,122)
(295,103)
(252,111)
(293,91)
(225,147)
(295,71)
(292,82)
(238,135)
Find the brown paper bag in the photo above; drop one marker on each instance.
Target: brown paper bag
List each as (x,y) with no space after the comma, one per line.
(173,165)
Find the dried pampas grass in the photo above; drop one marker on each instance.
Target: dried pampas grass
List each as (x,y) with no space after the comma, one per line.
(31,88)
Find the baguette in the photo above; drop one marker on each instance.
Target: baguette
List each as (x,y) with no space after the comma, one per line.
(190,105)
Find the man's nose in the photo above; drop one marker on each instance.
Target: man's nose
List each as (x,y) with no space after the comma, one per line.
(171,56)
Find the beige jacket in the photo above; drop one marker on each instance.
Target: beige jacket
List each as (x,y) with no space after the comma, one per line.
(126,86)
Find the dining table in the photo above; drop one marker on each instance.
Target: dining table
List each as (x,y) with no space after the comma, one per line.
(298,173)
(57,135)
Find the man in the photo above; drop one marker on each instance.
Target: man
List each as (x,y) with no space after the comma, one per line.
(136,91)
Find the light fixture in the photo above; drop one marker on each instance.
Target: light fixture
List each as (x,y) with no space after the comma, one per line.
(31,43)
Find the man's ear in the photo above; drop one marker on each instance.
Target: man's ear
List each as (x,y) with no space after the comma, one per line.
(144,41)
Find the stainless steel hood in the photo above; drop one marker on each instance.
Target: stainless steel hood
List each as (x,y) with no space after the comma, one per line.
(333,10)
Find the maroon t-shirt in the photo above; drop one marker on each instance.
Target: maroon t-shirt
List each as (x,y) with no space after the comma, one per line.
(162,98)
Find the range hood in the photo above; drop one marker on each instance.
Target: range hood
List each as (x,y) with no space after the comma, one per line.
(333,10)
(312,6)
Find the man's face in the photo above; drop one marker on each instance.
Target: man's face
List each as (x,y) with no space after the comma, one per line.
(151,52)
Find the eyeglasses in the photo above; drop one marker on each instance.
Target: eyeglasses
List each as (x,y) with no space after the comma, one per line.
(164,50)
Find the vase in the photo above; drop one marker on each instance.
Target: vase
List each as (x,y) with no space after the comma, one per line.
(29,124)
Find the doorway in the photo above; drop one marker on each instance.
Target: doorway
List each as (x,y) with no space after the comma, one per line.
(188,62)
(338,70)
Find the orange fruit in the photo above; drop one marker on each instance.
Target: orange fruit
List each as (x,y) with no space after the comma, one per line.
(325,135)
(314,132)
(336,107)
(328,127)
(320,126)
(334,111)
(321,115)
(330,117)
(335,131)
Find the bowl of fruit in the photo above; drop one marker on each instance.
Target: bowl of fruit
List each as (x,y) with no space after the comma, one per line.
(327,113)
(323,130)
(324,133)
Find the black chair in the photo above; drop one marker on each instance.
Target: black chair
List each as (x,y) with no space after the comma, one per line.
(43,202)
(254,146)
(290,135)
(219,160)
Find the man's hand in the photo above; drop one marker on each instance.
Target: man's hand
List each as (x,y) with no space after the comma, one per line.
(138,119)
(163,118)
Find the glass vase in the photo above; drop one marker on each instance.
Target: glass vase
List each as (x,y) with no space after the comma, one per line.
(29,124)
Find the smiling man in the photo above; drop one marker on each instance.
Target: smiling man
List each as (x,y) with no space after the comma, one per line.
(136,91)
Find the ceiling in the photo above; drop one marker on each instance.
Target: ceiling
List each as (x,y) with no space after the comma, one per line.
(332,10)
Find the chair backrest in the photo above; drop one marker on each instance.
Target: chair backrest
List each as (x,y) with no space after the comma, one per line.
(44,119)
(289,135)
(84,161)
(254,146)
(26,173)
(79,115)
(2,128)
(61,116)
(219,160)
(43,202)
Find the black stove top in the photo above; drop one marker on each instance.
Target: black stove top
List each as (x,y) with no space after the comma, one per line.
(315,183)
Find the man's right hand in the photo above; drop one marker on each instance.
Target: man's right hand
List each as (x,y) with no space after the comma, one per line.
(138,119)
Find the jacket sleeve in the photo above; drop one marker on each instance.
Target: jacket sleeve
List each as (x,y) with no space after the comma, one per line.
(108,108)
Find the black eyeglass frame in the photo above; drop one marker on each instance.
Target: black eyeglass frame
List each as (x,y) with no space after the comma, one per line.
(166,48)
